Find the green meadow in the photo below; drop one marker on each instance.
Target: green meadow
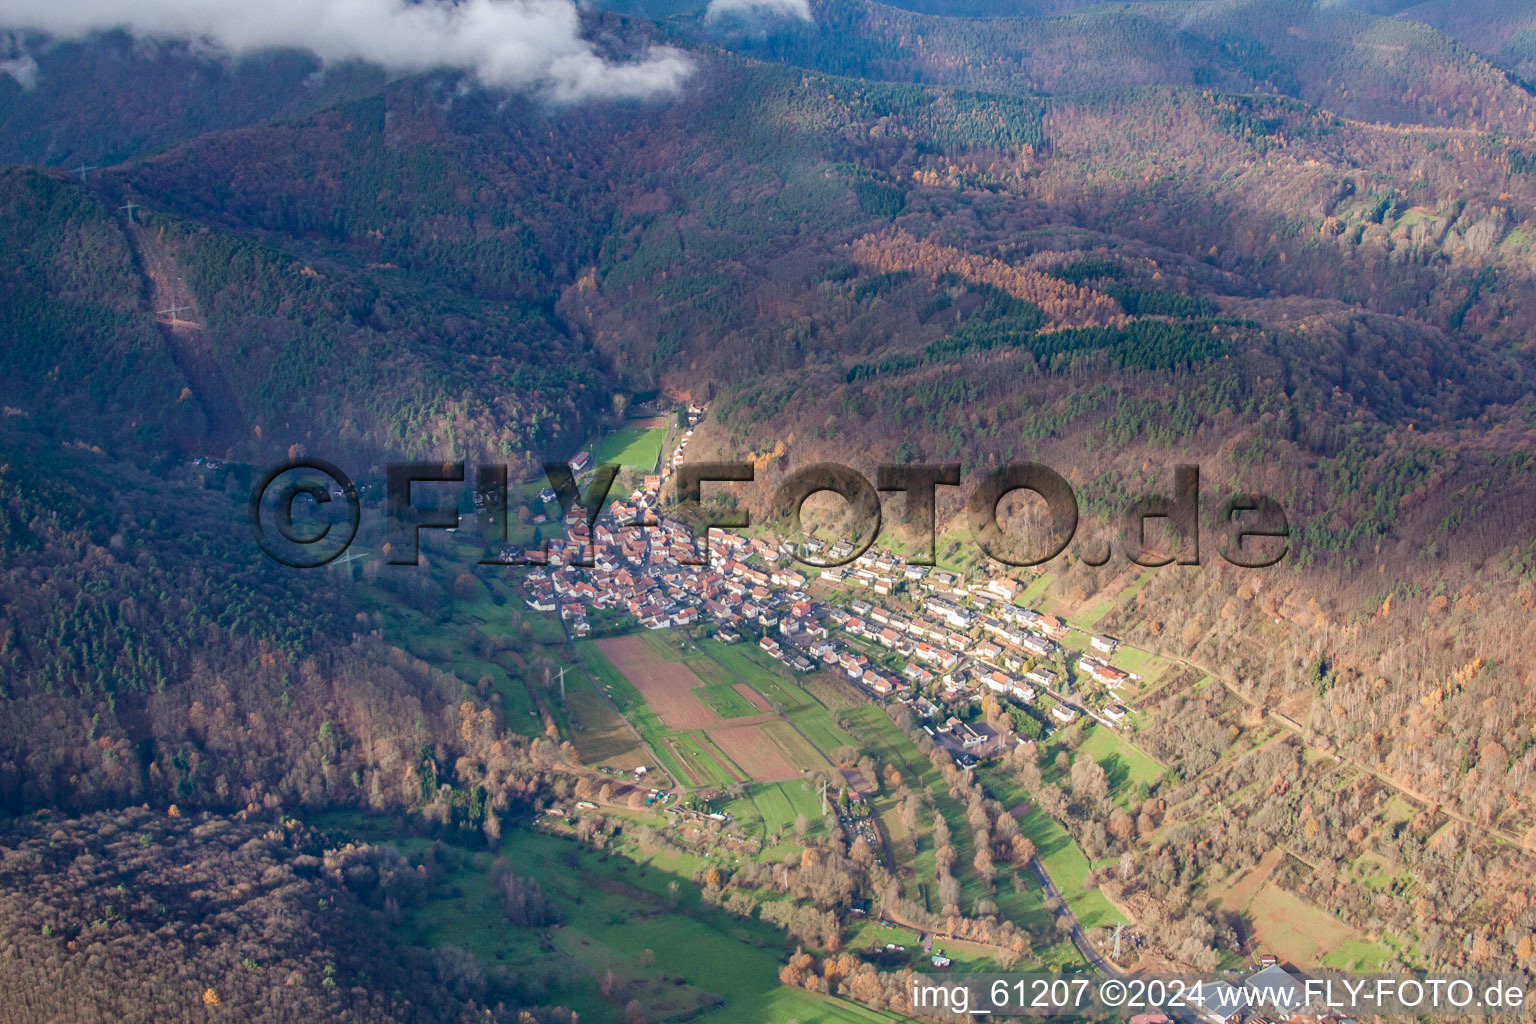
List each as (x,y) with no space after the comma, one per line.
(628,932)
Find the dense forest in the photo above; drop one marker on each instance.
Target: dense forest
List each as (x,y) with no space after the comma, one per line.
(123,914)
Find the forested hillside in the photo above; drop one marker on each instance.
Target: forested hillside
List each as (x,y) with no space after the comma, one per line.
(89,111)
(151,654)
(1358,65)
(120,914)
(1292,242)
(1503,30)
(271,349)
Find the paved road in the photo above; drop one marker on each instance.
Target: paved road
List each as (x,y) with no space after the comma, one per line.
(1079,937)
(1182,1014)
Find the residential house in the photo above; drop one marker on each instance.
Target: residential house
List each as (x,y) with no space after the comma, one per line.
(1004,588)
(1042,675)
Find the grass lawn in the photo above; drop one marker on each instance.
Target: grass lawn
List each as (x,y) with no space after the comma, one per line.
(1397,810)
(1025,905)
(1358,955)
(636,447)
(771,808)
(873,934)
(1036,590)
(817,725)
(1149,666)
(724,701)
(1095,610)
(780,803)
(964,958)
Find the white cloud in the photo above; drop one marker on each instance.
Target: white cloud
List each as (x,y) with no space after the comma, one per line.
(16,62)
(23,69)
(514,43)
(788,8)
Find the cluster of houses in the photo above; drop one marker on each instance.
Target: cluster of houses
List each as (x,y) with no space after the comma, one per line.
(915,631)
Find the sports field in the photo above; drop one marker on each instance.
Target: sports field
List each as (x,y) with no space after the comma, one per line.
(638,447)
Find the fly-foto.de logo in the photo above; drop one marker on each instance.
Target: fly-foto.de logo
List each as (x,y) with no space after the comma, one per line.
(1251,530)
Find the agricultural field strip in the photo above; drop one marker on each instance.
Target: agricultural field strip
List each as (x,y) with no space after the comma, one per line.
(708,748)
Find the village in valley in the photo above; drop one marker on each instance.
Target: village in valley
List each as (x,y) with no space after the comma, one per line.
(979,668)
